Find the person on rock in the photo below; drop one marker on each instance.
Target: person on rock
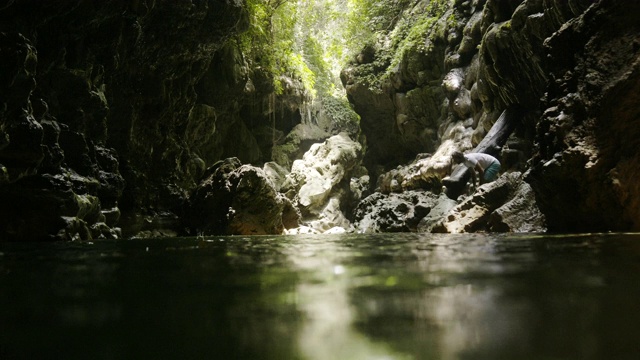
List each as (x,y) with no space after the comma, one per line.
(488,167)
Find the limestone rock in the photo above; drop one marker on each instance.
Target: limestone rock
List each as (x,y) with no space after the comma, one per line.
(589,134)
(320,119)
(111,113)
(453,82)
(276,173)
(99,95)
(331,216)
(319,183)
(519,214)
(505,205)
(395,212)
(236,199)
(427,171)
(302,230)
(441,208)
(45,207)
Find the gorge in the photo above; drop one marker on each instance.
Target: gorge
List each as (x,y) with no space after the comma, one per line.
(170,118)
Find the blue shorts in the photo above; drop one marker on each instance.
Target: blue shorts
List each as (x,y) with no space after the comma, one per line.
(491,173)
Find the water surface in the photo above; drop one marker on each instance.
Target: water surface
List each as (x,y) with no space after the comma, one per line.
(387,296)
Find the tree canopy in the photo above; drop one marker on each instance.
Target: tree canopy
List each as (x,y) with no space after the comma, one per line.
(312,40)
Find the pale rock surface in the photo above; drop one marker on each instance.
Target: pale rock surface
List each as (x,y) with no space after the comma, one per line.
(276,173)
(520,214)
(336,230)
(302,230)
(427,171)
(319,183)
(505,205)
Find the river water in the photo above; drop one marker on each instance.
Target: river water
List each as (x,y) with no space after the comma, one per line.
(386,296)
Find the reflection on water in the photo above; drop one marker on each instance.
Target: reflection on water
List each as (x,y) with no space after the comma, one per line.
(391,296)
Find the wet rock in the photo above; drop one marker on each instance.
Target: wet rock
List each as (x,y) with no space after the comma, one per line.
(472,36)
(276,173)
(153,224)
(103,231)
(401,127)
(302,230)
(359,188)
(519,214)
(236,199)
(45,207)
(588,136)
(581,150)
(329,217)
(21,134)
(453,83)
(426,172)
(395,212)
(336,230)
(103,92)
(441,208)
(505,205)
(319,183)
(378,115)
(461,105)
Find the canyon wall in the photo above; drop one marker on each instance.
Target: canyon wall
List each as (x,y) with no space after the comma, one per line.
(104,123)
(113,113)
(588,137)
(570,67)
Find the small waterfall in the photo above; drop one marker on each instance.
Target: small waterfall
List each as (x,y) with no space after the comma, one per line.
(272,118)
(306,111)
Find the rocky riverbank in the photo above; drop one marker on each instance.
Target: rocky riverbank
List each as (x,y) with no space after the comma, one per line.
(145,119)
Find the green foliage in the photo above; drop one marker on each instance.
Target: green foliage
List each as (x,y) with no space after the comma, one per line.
(416,28)
(341,112)
(312,40)
(321,34)
(402,27)
(369,17)
(269,44)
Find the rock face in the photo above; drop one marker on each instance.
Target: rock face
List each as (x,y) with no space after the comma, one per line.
(400,212)
(576,140)
(319,183)
(505,205)
(112,112)
(324,117)
(127,104)
(585,172)
(477,59)
(238,199)
(99,95)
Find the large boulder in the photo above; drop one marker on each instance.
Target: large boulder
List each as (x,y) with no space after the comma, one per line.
(505,205)
(319,183)
(236,199)
(399,212)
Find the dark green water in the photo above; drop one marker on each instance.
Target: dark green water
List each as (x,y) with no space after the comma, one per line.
(392,296)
